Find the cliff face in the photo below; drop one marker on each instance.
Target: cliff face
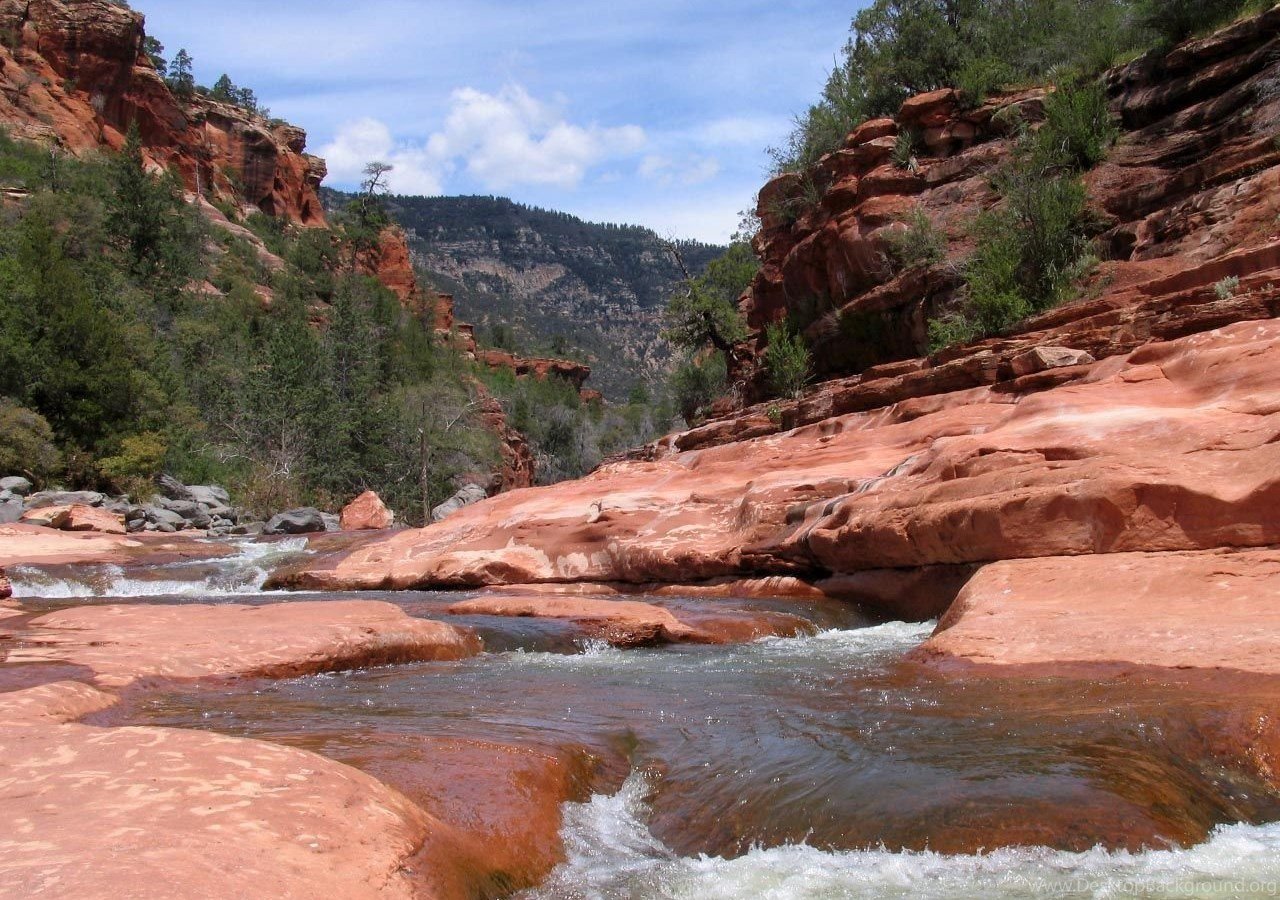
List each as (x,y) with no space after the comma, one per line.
(74,74)
(1190,185)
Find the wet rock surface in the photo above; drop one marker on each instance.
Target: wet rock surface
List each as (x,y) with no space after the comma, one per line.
(124,644)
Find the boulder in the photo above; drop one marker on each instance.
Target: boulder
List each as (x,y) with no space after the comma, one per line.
(173,489)
(10,512)
(16,484)
(297,521)
(209,495)
(6,589)
(76,518)
(248,529)
(331,522)
(65,498)
(188,509)
(366,513)
(158,516)
(1041,359)
(46,516)
(471,493)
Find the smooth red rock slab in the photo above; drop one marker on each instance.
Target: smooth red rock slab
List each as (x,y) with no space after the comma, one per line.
(125,644)
(367,513)
(21,544)
(630,623)
(1173,447)
(1216,610)
(159,812)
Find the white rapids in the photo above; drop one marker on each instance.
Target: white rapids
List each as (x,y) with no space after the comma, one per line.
(244,573)
(612,856)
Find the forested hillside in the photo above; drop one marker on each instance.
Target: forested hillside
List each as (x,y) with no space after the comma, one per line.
(542,282)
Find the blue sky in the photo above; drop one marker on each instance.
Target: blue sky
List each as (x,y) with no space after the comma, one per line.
(655,112)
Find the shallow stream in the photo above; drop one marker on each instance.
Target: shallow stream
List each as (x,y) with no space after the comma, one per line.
(829,765)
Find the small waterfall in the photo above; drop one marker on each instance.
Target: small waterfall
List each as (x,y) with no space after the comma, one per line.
(244,573)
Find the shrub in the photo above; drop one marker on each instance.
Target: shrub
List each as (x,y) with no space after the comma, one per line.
(787,360)
(1078,129)
(980,78)
(141,458)
(1029,254)
(1227,287)
(26,442)
(904,151)
(921,244)
(696,384)
(1176,20)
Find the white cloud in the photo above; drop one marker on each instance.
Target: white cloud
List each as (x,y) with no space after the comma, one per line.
(501,140)
(749,131)
(510,138)
(364,140)
(666,171)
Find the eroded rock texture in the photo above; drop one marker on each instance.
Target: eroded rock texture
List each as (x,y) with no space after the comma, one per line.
(74,74)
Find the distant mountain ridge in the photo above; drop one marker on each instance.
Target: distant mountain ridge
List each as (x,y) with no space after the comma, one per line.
(549,282)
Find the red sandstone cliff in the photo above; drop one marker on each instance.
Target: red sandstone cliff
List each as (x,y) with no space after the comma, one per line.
(1189,188)
(73,73)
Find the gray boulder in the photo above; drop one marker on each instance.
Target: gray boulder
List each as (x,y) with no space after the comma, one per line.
(220,512)
(331,522)
(188,509)
(159,516)
(251,529)
(209,495)
(10,511)
(45,499)
(470,493)
(16,484)
(297,521)
(173,489)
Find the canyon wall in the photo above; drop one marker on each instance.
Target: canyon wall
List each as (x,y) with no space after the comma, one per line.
(1190,185)
(74,74)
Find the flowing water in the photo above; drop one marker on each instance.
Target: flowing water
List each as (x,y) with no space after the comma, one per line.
(828,765)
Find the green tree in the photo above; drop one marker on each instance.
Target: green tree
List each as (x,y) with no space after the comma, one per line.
(181,80)
(704,312)
(150,220)
(224,90)
(155,52)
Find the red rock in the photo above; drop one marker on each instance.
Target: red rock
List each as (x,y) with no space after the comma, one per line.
(166,812)
(125,644)
(1039,359)
(1188,188)
(1209,610)
(74,74)
(390,263)
(76,518)
(6,589)
(870,131)
(626,623)
(1169,448)
(503,804)
(929,110)
(540,368)
(366,513)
